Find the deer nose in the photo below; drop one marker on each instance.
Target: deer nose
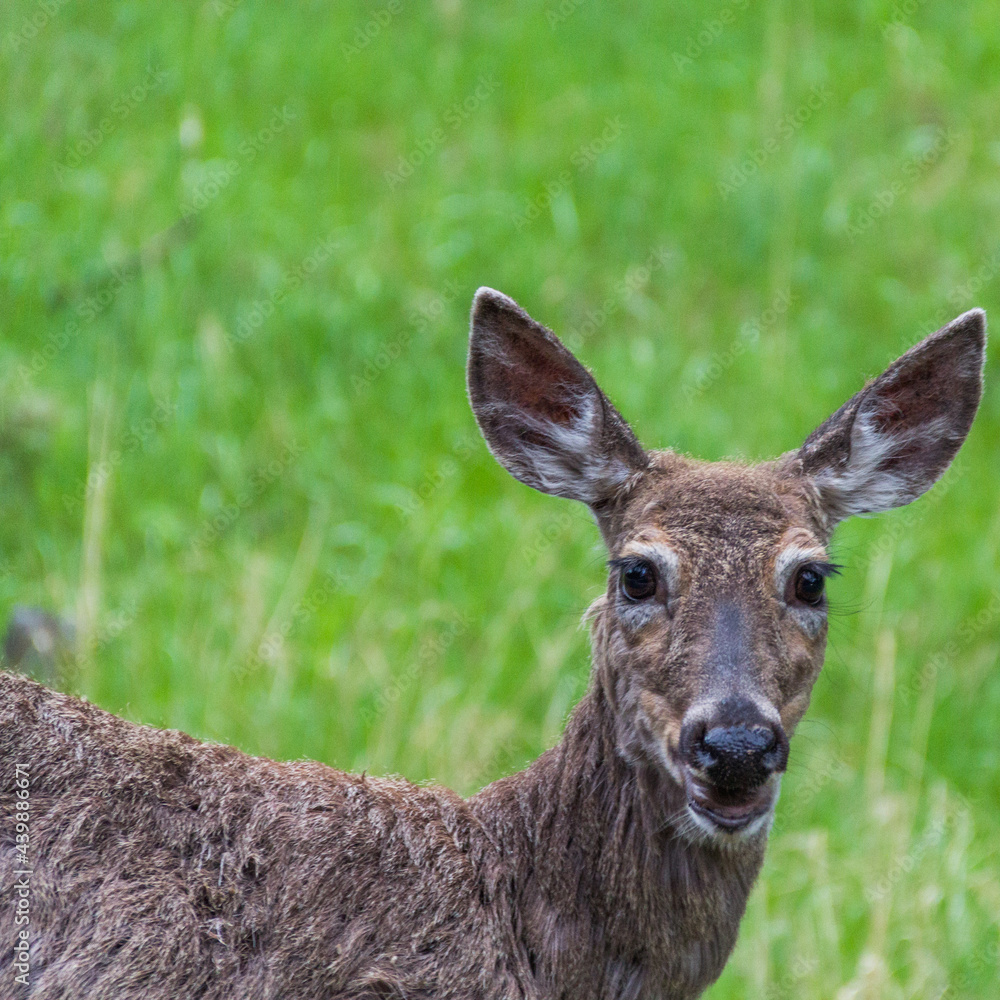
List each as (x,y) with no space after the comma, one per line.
(736,757)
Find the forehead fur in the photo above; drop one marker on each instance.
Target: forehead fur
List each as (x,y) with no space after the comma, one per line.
(713,503)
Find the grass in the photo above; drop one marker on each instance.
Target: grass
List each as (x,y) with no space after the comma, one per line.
(237,249)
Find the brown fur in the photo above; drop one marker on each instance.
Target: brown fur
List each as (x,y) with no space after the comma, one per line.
(168,868)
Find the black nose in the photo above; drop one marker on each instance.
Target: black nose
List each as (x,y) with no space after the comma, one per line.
(736,757)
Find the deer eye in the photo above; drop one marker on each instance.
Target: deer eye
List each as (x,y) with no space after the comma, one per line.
(638,581)
(809,583)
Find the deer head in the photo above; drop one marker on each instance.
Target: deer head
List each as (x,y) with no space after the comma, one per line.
(713,626)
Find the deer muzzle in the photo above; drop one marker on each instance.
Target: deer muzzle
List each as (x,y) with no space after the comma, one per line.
(732,757)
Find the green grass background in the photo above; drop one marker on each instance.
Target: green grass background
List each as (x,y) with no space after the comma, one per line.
(381,595)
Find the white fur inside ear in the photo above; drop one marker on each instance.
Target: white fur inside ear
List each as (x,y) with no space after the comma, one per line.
(862,486)
(572,462)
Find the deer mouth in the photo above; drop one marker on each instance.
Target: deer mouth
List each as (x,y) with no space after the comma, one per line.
(729,810)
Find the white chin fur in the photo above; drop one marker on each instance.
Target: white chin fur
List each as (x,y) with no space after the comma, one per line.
(700,829)
(720,835)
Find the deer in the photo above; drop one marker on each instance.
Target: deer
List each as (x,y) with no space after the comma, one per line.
(142,863)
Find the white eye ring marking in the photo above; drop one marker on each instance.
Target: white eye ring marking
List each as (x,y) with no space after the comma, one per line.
(789,560)
(662,556)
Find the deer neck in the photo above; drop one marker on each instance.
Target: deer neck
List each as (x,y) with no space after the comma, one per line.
(611,901)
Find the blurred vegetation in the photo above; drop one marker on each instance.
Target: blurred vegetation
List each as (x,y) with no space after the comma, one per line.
(238,244)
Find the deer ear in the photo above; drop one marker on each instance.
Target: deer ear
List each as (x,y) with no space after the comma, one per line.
(893,440)
(541,412)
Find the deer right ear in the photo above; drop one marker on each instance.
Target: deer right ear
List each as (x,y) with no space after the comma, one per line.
(541,412)
(894,439)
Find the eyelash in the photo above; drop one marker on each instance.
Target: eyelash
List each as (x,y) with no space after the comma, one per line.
(825,569)
(624,563)
(627,564)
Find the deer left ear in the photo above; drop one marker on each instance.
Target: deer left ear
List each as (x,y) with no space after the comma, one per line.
(542,414)
(892,441)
